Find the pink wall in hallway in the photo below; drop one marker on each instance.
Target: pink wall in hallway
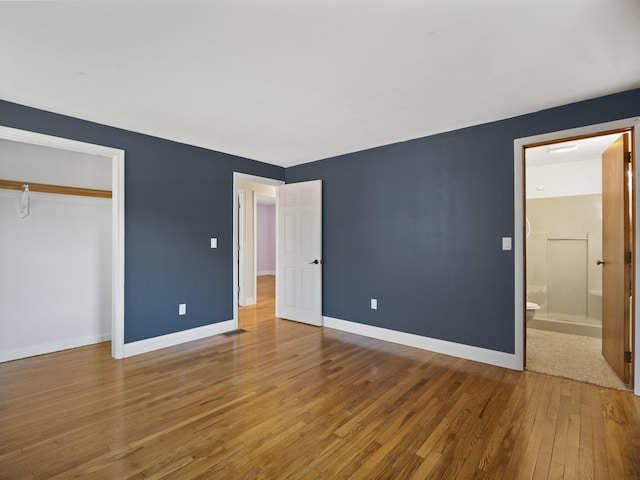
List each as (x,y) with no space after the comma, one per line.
(266,239)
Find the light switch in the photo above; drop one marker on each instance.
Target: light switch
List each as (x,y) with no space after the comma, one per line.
(506,243)
(182,309)
(374,304)
(214,243)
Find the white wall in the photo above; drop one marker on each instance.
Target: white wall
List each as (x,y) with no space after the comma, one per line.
(55,264)
(34,163)
(247,260)
(565,179)
(55,274)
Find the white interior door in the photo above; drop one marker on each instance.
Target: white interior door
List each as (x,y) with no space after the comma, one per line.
(299,252)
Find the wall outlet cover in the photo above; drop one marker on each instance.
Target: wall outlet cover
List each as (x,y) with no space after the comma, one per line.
(182,309)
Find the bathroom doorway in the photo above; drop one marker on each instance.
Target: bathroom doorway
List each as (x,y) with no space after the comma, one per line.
(579,305)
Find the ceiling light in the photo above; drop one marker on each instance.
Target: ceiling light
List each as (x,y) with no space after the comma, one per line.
(563,148)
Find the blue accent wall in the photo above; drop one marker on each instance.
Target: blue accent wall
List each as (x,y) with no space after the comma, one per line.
(176,198)
(418,225)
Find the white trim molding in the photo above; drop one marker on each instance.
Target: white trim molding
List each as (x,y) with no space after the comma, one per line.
(17,353)
(172,339)
(518,195)
(266,272)
(469,352)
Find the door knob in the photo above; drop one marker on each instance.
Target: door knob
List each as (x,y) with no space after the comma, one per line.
(599,262)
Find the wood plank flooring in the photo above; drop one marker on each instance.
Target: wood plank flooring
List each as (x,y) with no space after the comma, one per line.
(287,400)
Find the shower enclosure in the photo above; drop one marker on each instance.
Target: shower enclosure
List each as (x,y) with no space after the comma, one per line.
(563,277)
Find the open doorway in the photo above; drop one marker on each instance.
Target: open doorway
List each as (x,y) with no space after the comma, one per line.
(579,316)
(257,254)
(254,262)
(298,241)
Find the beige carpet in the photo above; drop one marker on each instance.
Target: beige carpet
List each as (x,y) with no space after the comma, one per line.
(570,356)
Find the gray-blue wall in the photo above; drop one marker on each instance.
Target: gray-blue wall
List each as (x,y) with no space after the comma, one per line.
(176,197)
(418,225)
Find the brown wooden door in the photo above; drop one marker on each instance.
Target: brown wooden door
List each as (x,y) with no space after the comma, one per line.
(616,272)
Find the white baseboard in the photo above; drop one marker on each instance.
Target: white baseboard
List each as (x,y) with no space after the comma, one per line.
(266,272)
(250,301)
(65,344)
(477,354)
(171,339)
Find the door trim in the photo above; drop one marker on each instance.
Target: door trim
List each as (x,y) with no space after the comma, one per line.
(245,177)
(239,247)
(519,226)
(117,217)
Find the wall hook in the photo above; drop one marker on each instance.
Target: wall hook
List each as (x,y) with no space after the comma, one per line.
(23,211)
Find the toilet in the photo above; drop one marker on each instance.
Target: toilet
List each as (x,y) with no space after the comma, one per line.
(531,310)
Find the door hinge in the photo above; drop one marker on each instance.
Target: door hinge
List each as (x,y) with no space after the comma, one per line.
(627,357)
(627,157)
(627,257)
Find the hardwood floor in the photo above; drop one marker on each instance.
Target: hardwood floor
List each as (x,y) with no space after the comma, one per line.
(287,400)
(264,310)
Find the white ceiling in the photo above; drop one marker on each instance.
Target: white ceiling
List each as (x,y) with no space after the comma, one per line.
(291,81)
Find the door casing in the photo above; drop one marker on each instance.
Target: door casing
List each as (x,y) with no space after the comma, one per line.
(632,124)
(239,246)
(237,177)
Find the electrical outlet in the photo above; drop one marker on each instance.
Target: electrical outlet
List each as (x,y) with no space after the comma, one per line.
(182,309)
(214,243)
(374,304)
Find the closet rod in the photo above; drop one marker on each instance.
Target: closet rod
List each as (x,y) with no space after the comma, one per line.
(58,189)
